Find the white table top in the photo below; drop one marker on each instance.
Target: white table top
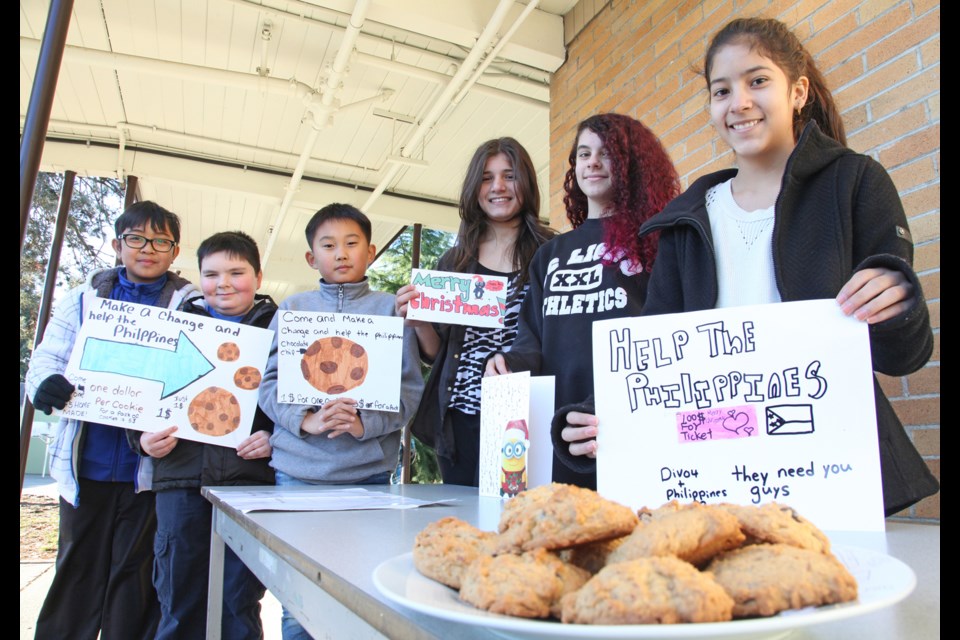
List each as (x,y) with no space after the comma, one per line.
(338,552)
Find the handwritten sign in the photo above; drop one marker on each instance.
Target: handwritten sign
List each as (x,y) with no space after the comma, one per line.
(322,356)
(745,405)
(515,448)
(458,298)
(148,368)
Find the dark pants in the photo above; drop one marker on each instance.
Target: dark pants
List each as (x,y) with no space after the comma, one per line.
(102,584)
(182,567)
(465,470)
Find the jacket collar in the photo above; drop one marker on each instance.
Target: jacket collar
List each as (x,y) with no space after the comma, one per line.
(348,290)
(103,280)
(814,152)
(263,305)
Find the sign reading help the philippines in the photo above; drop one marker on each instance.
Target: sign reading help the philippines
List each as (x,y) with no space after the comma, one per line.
(458,298)
(148,369)
(322,356)
(746,405)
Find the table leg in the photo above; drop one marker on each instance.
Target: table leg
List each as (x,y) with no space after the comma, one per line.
(215,584)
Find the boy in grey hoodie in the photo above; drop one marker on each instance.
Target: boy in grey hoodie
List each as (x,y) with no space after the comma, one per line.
(337,443)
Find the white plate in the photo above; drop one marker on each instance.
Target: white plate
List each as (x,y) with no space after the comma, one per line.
(882,582)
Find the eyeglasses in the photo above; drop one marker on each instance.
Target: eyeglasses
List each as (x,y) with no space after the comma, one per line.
(160,245)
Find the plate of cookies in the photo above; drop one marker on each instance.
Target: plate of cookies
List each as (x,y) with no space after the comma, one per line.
(566,563)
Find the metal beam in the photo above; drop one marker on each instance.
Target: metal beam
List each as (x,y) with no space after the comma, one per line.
(158,167)
(41,103)
(414,264)
(46,303)
(130,194)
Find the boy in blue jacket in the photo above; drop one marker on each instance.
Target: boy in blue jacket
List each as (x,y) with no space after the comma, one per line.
(105,554)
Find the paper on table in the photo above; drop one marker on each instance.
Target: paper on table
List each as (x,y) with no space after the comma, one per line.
(322,500)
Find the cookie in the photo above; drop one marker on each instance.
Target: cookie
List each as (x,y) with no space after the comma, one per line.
(214,412)
(557,516)
(530,585)
(778,523)
(693,532)
(444,549)
(648,591)
(591,556)
(764,579)
(247,378)
(228,352)
(334,365)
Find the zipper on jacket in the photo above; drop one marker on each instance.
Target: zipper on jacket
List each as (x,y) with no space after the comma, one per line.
(707,240)
(774,238)
(340,298)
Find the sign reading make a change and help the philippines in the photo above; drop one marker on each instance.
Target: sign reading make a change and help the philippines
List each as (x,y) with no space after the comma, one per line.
(458,298)
(746,405)
(322,356)
(148,369)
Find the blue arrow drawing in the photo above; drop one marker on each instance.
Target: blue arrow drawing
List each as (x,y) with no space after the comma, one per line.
(174,369)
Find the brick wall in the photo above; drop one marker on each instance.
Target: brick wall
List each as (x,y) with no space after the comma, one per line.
(882,61)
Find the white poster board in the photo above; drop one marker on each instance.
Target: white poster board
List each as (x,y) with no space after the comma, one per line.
(148,369)
(458,298)
(322,356)
(745,405)
(515,448)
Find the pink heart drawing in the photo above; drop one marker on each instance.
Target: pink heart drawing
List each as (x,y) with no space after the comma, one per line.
(736,422)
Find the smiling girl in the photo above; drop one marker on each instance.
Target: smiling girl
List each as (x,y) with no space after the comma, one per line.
(802,217)
(619,176)
(500,230)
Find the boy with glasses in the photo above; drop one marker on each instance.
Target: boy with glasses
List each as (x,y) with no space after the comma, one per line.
(105,554)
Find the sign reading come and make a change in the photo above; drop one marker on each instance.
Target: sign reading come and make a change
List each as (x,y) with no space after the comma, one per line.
(745,405)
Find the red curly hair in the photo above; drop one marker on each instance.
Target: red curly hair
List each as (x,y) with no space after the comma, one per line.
(644,181)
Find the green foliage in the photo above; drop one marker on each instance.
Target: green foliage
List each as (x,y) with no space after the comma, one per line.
(95,204)
(424,468)
(392,269)
(390,272)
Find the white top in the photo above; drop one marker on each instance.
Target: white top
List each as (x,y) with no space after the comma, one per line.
(742,241)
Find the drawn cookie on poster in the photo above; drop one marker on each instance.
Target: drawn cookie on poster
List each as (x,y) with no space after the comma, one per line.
(215,411)
(334,365)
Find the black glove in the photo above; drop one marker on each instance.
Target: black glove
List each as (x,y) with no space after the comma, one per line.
(53,393)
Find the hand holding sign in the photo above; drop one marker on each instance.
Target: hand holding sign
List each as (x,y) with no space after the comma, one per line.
(158,444)
(405,295)
(875,295)
(581,434)
(335,418)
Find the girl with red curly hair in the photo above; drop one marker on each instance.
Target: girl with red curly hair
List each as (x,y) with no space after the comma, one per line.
(619,176)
